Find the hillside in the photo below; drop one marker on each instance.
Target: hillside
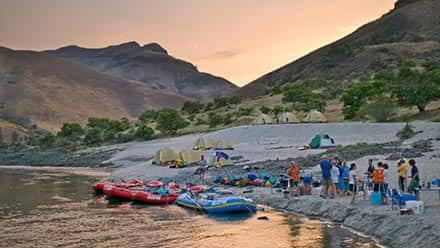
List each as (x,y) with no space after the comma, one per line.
(408,33)
(152,65)
(38,88)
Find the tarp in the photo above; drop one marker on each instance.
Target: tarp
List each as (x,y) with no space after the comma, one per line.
(165,155)
(315,117)
(288,117)
(203,143)
(263,119)
(223,145)
(221,155)
(322,141)
(189,156)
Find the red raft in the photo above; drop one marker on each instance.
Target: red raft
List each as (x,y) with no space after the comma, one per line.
(99,186)
(139,194)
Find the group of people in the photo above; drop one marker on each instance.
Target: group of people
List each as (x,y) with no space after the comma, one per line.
(339,179)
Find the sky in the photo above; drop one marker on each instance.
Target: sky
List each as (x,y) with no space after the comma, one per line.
(239,40)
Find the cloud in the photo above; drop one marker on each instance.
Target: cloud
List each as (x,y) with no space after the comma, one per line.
(225,54)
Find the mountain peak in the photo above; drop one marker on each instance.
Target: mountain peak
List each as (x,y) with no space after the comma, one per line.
(126,45)
(155,47)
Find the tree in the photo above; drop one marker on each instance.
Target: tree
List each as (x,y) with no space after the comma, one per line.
(169,121)
(144,132)
(71,130)
(277,109)
(413,88)
(303,98)
(47,141)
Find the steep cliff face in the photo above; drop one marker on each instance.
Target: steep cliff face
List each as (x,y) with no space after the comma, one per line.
(151,65)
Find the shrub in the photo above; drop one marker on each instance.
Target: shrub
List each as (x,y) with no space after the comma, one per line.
(191,107)
(169,121)
(406,132)
(200,121)
(381,110)
(148,116)
(265,110)
(220,102)
(304,99)
(71,130)
(214,119)
(278,110)
(144,132)
(93,136)
(47,141)
(243,112)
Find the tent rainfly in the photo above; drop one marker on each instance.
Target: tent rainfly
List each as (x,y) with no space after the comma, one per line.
(322,141)
(165,155)
(315,117)
(263,119)
(288,117)
(189,156)
(223,145)
(203,143)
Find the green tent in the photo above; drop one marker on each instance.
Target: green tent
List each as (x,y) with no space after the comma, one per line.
(322,141)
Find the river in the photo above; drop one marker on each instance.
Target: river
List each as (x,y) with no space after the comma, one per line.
(56,209)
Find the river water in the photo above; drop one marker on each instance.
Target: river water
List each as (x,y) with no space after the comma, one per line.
(53,209)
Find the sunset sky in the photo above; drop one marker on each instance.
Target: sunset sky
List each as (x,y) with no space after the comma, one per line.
(236,39)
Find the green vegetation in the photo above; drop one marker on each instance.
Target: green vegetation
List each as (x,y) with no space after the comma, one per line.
(407,87)
(303,98)
(380,109)
(214,119)
(406,132)
(169,121)
(190,107)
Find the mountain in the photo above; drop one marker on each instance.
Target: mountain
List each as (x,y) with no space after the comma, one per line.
(151,65)
(39,88)
(408,33)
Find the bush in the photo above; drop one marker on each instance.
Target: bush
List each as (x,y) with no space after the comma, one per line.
(220,102)
(277,109)
(406,132)
(47,141)
(148,116)
(144,132)
(200,121)
(214,119)
(265,110)
(93,136)
(71,130)
(381,110)
(169,121)
(191,107)
(243,112)
(304,99)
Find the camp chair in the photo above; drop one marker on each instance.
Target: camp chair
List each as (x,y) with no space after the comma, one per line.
(396,199)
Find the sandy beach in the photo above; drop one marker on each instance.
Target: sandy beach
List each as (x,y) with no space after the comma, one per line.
(270,146)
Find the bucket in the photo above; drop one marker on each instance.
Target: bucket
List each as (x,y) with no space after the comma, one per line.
(376,198)
(415,206)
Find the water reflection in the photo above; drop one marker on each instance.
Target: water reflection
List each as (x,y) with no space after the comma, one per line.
(56,209)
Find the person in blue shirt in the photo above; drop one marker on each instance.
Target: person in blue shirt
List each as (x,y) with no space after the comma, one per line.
(326,182)
(415,179)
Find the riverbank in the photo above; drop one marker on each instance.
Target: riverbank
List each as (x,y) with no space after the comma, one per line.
(386,225)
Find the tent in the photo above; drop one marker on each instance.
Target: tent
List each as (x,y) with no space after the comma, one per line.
(322,141)
(203,143)
(223,162)
(315,117)
(223,145)
(263,119)
(288,118)
(165,155)
(189,156)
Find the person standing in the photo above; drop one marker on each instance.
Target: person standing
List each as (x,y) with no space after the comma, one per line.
(334,172)
(386,182)
(402,171)
(378,179)
(307,180)
(293,173)
(353,182)
(415,179)
(326,181)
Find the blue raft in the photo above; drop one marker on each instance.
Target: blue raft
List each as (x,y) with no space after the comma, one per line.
(214,203)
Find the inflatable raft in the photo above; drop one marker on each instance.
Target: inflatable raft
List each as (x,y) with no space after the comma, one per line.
(141,194)
(214,203)
(99,186)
